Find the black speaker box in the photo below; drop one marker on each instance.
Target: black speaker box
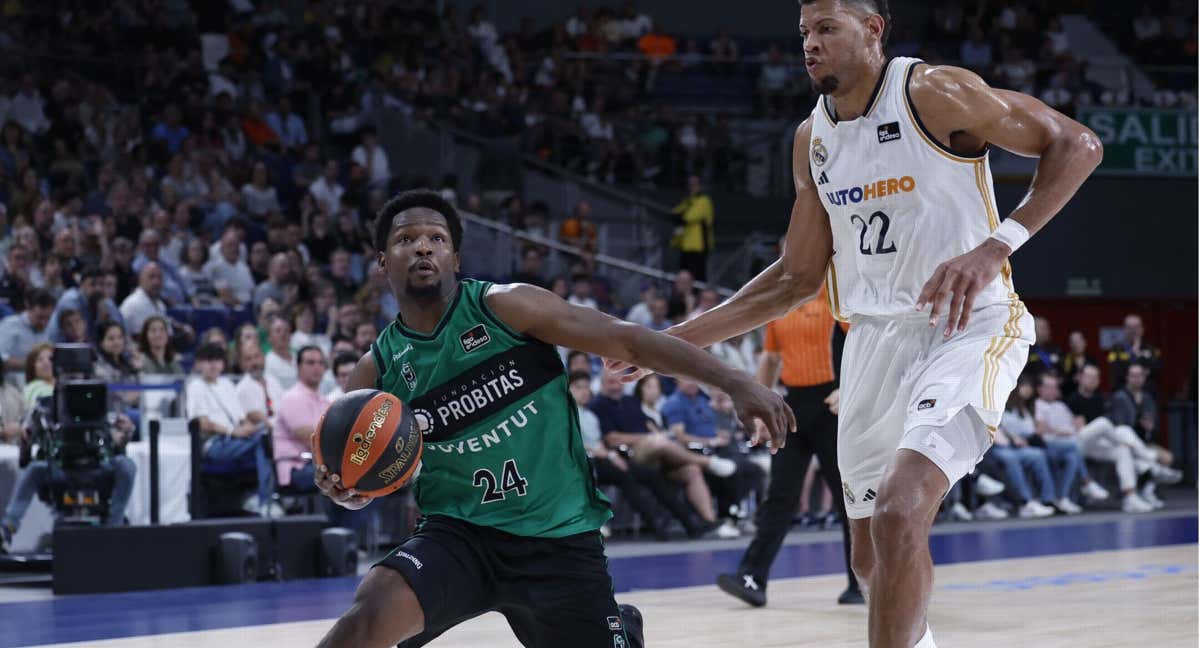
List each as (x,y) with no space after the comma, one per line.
(121,559)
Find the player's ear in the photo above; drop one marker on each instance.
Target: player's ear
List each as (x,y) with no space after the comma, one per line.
(381,259)
(875,26)
(457,261)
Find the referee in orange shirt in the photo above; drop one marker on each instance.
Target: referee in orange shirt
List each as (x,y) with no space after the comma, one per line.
(802,341)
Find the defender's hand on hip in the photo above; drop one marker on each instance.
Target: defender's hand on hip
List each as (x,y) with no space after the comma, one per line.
(959,281)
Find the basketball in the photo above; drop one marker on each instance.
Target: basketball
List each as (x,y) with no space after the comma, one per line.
(370,440)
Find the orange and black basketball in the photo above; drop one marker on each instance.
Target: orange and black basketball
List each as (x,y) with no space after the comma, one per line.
(370,440)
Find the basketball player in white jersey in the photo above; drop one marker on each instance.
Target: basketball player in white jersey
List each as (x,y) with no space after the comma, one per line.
(895,211)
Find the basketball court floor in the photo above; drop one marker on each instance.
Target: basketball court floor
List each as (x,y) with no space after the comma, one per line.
(1099,580)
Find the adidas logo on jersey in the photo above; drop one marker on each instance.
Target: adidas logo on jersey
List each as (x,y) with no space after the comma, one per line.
(823,179)
(889,132)
(870,495)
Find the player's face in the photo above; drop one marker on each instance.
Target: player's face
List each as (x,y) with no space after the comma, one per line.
(837,37)
(420,260)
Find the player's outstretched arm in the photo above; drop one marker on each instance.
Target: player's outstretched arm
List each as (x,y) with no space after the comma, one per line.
(961,107)
(364,376)
(541,314)
(793,279)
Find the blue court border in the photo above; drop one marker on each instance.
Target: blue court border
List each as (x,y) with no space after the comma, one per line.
(110,616)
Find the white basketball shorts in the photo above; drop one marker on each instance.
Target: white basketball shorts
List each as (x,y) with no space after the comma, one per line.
(900,374)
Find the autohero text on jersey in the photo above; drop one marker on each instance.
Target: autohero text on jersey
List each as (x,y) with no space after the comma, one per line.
(871,191)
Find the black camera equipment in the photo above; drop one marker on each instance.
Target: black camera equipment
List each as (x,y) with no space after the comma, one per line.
(71,430)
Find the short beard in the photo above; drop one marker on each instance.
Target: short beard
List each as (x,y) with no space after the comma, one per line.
(825,86)
(423,293)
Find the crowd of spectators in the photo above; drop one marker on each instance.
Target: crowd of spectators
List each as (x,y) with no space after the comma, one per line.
(193,188)
(1025,46)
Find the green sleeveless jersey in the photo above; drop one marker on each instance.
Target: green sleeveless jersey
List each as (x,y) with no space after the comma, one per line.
(501,434)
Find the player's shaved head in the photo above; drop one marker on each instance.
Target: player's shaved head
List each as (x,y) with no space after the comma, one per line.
(843,42)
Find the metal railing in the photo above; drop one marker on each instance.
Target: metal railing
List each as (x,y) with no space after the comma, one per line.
(504,244)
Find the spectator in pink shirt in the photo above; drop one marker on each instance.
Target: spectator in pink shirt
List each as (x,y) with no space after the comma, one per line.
(296,417)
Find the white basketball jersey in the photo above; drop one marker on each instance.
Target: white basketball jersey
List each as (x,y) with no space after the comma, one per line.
(899,202)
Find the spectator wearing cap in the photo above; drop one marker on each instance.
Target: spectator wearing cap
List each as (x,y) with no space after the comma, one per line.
(1133,348)
(88,301)
(231,441)
(20,332)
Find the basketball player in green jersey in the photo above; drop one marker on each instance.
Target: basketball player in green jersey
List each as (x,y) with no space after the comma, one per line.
(511,514)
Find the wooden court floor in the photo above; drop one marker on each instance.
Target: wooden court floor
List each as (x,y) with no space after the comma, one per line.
(1143,598)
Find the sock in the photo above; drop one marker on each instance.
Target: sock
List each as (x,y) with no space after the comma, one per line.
(926,639)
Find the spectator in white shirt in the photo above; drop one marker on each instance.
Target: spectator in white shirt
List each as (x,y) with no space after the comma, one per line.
(281,363)
(230,276)
(370,156)
(258,195)
(146,300)
(232,442)
(326,189)
(304,328)
(1057,424)
(150,250)
(640,313)
(258,392)
(581,292)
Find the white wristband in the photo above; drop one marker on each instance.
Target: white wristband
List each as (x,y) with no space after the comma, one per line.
(1011,233)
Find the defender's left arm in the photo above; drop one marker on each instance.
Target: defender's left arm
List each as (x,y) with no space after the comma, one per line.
(962,108)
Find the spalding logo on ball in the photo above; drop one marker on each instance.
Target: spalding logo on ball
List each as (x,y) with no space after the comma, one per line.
(370,440)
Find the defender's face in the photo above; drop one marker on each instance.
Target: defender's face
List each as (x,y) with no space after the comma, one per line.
(420,253)
(836,40)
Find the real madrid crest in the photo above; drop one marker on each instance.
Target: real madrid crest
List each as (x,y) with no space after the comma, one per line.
(819,154)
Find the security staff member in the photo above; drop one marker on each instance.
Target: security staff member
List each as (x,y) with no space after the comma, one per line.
(802,341)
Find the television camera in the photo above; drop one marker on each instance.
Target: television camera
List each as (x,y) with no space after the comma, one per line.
(71,431)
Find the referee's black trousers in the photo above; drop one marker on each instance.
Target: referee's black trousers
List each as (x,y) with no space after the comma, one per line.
(816,433)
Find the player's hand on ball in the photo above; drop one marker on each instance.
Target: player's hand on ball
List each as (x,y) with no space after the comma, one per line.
(753,401)
(958,281)
(330,487)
